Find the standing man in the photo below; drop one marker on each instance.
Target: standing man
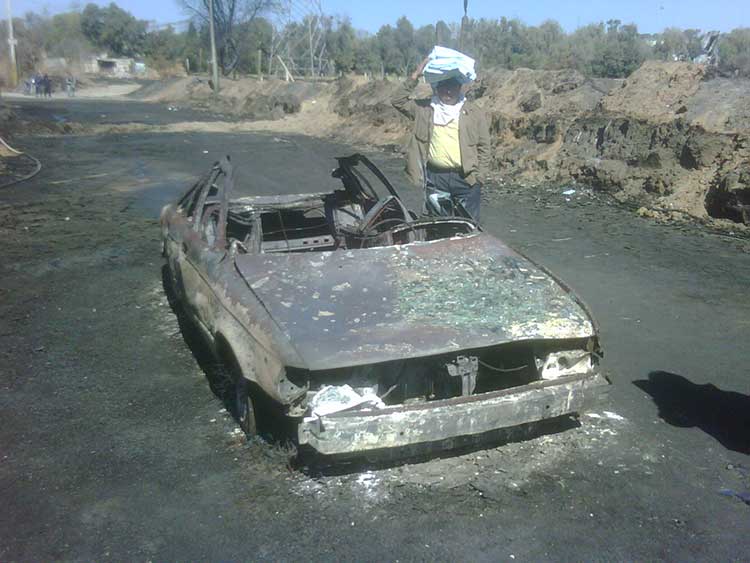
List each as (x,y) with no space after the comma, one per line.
(449,148)
(70,85)
(47,86)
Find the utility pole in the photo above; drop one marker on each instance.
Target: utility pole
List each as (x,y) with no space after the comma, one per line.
(312,55)
(12,44)
(464,25)
(214,62)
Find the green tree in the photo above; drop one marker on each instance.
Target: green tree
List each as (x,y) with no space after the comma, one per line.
(672,45)
(253,36)
(443,34)
(114,29)
(342,46)
(366,58)
(164,48)
(406,45)
(424,40)
(387,48)
(65,37)
(734,52)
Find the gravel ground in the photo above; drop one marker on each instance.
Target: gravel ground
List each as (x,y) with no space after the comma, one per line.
(117,446)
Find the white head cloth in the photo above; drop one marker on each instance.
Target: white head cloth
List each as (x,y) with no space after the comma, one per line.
(442,113)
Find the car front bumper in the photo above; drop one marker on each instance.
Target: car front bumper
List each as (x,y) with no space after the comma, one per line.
(405,425)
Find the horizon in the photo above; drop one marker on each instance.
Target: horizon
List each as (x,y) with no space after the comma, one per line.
(649,16)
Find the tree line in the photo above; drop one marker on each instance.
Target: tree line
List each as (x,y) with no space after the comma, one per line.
(273,36)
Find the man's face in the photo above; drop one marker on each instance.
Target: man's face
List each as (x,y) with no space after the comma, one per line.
(449,91)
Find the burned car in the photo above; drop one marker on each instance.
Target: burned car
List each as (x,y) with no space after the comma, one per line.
(368,326)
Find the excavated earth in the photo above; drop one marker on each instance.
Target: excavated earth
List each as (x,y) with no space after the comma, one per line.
(116,443)
(671,137)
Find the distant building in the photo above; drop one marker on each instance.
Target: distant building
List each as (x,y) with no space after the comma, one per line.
(110,66)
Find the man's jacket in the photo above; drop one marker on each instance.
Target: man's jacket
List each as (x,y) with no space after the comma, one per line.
(473,136)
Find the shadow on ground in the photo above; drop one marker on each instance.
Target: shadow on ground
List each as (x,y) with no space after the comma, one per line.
(725,415)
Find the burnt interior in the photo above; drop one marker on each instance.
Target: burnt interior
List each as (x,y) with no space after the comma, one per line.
(333,222)
(428,379)
(355,217)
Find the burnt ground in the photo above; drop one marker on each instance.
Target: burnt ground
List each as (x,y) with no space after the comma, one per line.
(85,112)
(115,446)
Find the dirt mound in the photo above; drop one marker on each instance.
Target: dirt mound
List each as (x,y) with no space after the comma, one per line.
(721,105)
(657,91)
(670,136)
(531,110)
(246,98)
(367,113)
(516,94)
(151,90)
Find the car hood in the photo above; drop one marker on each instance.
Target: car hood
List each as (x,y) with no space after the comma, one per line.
(353,307)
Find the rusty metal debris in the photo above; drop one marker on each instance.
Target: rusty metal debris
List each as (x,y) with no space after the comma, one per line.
(372,327)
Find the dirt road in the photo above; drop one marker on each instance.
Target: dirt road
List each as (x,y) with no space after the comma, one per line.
(115,446)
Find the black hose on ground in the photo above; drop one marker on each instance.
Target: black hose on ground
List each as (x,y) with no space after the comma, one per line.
(27,176)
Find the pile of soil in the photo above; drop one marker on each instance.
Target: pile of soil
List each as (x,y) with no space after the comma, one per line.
(366,109)
(245,98)
(670,136)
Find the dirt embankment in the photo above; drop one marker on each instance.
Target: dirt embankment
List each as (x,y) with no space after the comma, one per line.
(669,137)
(245,98)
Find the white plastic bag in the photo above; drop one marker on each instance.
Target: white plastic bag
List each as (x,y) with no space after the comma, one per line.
(447,63)
(337,398)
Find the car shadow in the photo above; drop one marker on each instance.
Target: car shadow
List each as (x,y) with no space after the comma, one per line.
(725,415)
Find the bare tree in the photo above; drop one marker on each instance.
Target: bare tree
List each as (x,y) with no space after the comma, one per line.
(228,16)
(302,30)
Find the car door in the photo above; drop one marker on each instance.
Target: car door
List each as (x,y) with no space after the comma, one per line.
(177,224)
(200,256)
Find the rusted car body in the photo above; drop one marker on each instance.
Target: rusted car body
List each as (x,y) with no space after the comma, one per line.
(369,326)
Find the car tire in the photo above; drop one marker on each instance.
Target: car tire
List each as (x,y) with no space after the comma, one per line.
(245,408)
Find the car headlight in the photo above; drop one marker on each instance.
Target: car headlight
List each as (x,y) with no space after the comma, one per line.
(560,364)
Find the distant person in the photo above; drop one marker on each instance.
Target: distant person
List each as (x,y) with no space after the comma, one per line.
(47,86)
(449,148)
(70,86)
(37,82)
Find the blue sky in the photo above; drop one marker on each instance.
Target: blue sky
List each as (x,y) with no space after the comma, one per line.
(650,15)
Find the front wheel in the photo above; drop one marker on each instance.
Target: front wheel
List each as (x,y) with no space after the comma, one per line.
(245,409)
